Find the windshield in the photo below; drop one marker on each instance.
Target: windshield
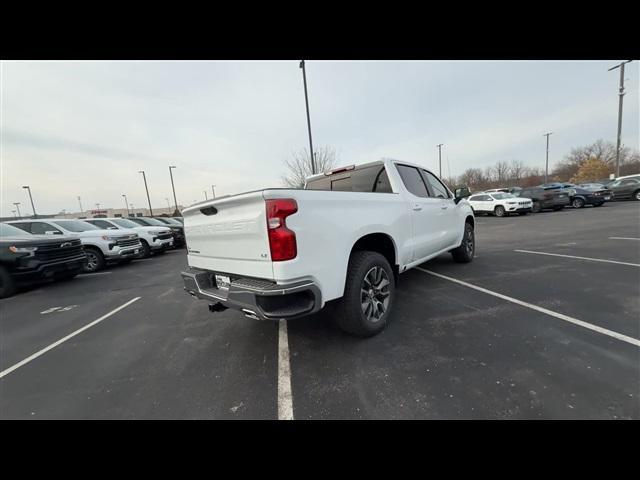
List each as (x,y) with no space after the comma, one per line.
(501,196)
(170,221)
(11,231)
(151,222)
(124,223)
(75,225)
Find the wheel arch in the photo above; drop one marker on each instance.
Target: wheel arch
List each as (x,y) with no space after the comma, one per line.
(381,243)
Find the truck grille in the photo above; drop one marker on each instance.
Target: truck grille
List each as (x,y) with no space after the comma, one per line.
(165,236)
(127,242)
(59,251)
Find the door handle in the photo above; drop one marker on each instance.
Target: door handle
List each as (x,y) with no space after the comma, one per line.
(417,206)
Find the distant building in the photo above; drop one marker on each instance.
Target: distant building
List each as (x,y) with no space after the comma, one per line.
(119,212)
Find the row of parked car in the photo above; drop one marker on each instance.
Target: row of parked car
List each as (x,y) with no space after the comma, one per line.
(553,196)
(36,250)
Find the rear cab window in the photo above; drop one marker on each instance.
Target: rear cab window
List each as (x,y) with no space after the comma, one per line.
(369,178)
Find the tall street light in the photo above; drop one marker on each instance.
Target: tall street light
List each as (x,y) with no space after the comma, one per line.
(17,204)
(126,204)
(213,191)
(174,189)
(620,94)
(14,214)
(205,195)
(147,189)
(35,215)
(306,100)
(80,202)
(440,159)
(546,168)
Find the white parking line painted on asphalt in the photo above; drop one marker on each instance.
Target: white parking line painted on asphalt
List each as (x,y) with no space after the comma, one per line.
(566,318)
(580,258)
(64,339)
(285,398)
(624,238)
(95,273)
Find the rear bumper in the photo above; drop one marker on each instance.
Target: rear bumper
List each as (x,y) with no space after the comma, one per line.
(256,298)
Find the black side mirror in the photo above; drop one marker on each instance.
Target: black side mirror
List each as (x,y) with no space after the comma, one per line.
(460,193)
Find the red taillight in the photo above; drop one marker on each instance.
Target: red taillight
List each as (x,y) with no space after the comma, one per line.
(282,241)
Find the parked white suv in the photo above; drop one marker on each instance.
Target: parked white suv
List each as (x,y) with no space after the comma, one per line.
(500,204)
(101,246)
(285,253)
(153,239)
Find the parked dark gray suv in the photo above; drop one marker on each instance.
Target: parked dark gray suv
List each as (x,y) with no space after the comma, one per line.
(545,199)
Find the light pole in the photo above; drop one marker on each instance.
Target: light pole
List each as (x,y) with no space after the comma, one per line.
(213,191)
(80,202)
(14,214)
(64,212)
(126,204)
(17,204)
(205,195)
(98,206)
(620,94)
(174,189)
(147,189)
(440,159)
(133,214)
(546,168)
(31,198)
(306,101)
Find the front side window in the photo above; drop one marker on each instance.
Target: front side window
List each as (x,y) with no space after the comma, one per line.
(501,196)
(413,180)
(125,223)
(437,187)
(41,228)
(102,224)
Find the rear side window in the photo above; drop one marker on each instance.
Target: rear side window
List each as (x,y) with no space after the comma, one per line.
(475,198)
(413,180)
(367,179)
(23,226)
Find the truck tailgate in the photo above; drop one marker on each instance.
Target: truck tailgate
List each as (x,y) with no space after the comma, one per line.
(229,235)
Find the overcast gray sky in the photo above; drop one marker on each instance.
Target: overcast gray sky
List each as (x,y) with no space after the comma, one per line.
(86,128)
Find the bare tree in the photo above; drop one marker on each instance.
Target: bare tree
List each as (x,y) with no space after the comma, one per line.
(517,170)
(299,165)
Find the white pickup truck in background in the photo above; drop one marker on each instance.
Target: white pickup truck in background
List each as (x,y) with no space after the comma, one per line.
(285,253)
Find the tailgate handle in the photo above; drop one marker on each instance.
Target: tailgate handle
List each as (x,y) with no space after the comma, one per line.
(209,210)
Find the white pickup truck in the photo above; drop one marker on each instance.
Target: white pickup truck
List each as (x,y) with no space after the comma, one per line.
(285,253)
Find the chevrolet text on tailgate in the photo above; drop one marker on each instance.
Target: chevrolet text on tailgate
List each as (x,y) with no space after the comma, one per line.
(285,253)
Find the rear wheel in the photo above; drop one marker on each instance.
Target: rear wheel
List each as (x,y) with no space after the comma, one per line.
(7,285)
(536,208)
(95,260)
(577,203)
(636,195)
(499,211)
(369,293)
(464,253)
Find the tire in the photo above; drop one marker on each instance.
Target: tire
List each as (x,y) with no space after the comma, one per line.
(146,250)
(95,260)
(464,253)
(7,284)
(536,208)
(635,195)
(499,211)
(365,309)
(577,203)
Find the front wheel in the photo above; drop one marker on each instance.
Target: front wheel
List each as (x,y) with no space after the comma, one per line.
(577,203)
(499,211)
(636,195)
(369,293)
(536,208)
(95,260)
(464,253)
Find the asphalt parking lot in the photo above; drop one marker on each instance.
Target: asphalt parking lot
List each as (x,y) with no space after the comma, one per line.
(129,343)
